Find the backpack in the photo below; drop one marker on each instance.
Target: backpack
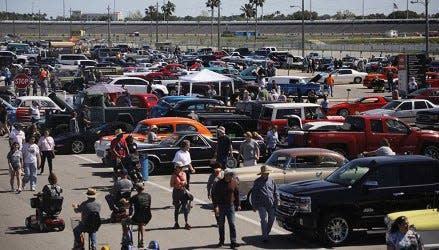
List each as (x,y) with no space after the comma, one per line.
(92,222)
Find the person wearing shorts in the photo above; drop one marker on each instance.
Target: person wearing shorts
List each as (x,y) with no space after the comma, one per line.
(15,162)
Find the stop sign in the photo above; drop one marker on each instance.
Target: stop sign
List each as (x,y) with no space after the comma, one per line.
(21,81)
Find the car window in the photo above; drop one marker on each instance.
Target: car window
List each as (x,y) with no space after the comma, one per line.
(141,129)
(46,104)
(405,106)
(425,174)
(266,113)
(26,103)
(385,176)
(420,105)
(278,160)
(429,105)
(196,141)
(185,127)
(376,126)
(396,127)
(369,100)
(165,129)
(305,161)
(281,113)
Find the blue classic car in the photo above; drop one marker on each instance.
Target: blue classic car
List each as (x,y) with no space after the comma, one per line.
(166,103)
(293,85)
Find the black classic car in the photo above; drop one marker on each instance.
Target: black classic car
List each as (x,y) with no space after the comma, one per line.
(78,143)
(202,149)
(198,105)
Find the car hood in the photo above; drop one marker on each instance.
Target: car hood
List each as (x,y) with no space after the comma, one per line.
(379,112)
(424,219)
(309,187)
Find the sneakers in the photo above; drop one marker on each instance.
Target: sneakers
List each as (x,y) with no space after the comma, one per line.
(220,244)
(234,245)
(19,190)
(32,189)
(187,226)
(13,190)
(176,226)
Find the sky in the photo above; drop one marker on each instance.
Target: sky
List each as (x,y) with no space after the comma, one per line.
(198,7)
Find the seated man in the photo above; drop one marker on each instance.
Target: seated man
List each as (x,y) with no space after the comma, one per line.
(120,189)
(47,195)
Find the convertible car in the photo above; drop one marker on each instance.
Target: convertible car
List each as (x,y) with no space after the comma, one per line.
(360,105)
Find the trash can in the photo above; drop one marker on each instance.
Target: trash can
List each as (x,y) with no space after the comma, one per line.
(144,167)
(295,138)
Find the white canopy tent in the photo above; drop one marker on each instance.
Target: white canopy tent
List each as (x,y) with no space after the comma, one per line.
(205,76)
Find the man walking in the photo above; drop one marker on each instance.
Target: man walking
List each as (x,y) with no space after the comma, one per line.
(264,200)
(225,200)
(223,147)
(249,150)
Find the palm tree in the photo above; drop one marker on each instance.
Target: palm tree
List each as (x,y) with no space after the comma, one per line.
(150,12)
(248,11)
(168,9)
(212,4)
(256,4)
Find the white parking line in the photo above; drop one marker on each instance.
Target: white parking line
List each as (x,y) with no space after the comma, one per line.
(244,218)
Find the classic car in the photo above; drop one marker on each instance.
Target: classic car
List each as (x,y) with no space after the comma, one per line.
(165,127)
(382,74)
(289,165)
(139,100)
(139,85)
(360,105)
(23,103)
(166,103)
(198,105)
(202,150)
(78,143)
(424,221)
(403,109)
(431,94)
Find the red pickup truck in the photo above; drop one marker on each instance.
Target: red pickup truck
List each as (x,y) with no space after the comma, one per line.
(169,72)
(361,133)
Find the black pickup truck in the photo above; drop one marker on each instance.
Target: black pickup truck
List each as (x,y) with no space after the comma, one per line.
(358,195)
(98,112)
(202,150)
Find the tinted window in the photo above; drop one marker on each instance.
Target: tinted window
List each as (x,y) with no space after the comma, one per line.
(420,105)
(165,129)
(185,127)
(396,127)
(376,126)
(46,104)
(419,174)
(405,106)
(281,113)
(385,176)
(266,113)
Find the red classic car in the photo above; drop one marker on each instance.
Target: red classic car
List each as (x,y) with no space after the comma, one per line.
(431,94)
(360,105)
(432,78)
(367,82)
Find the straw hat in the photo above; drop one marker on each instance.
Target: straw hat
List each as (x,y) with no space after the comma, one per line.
(118,132)
(153,127)
(264,170)
(91,193)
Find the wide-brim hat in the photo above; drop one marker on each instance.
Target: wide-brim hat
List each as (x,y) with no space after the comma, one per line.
(91,193)
(118,132)
(264,170)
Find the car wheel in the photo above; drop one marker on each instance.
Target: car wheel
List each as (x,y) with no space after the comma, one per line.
(432,151)
(357,80)
(334,229)
(77,147)
(249,199)
(343,112)
(152,167)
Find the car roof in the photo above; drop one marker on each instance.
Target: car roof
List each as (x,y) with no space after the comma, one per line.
(34,98)
(307,151)
(128,77)
(161,120)
(290,105)
(398,159)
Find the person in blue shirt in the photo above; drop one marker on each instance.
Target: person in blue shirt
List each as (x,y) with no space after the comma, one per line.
(272,139)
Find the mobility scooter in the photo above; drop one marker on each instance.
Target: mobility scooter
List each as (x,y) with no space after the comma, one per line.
(47,213)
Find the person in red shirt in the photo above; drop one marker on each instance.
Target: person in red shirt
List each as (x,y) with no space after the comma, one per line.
(118,149)
(179,194)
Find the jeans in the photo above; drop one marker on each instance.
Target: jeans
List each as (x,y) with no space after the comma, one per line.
(222,161)
(77,234)
(229,212)
(331,90)
(30,175)
(267,216)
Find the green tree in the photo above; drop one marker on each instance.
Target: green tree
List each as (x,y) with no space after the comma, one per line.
(212,4)
(346,14)
(248,12)
(402,15)
(256,4)
(168,9)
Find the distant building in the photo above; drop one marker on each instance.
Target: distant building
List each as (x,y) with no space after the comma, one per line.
(78,15)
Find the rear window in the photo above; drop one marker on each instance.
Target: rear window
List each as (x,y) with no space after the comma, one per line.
(281,113)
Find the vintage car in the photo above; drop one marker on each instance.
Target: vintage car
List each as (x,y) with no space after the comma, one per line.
(78,143)
(23,103)
(289,165)
(431,94)
(202,150)
(165,126)
(139,100)
(403,109)
(382,74)
(424,221)
(166,103)
(198,105)
(138,85)
(360,105)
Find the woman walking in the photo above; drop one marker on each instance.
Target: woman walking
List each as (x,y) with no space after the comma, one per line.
(47,146)
(179,194)
(15,162)
(31,156)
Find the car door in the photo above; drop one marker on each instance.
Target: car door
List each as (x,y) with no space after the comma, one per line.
(404,111)
(303,167)
(201,152)
(419,105)
(343,76)
(375,202)
(399,135)
(139,86)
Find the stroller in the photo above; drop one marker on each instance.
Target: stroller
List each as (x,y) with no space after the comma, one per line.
(47,210)
(120,209)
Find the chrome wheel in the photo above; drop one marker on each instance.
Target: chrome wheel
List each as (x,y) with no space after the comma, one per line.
(336,230)
(357,80)
(78,146)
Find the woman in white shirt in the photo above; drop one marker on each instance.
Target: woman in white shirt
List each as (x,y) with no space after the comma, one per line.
(47,146)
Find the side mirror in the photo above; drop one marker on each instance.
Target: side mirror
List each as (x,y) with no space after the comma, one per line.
(369,184)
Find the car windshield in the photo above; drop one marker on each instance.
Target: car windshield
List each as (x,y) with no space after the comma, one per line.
(170,140)
(348,174)
(16,103)
(278,160)
(391,105)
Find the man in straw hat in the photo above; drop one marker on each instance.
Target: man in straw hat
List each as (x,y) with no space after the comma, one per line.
(86,208)
(264,200)
(224,147)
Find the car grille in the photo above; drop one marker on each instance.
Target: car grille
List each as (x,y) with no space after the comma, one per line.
(288,203)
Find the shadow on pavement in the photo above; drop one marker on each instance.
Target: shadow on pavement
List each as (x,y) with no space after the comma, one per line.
(91,165)
(182,228)
(105,189)
(211,246)
(22,230)
(103,174)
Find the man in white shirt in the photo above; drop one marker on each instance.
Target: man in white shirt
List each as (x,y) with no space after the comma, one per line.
(184,157)
(413,85)
(31,159)
(17,135)
(34,112)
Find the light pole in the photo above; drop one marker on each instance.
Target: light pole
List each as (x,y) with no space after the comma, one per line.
(427,27)
(157,23)
(303,28)
(219,26)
